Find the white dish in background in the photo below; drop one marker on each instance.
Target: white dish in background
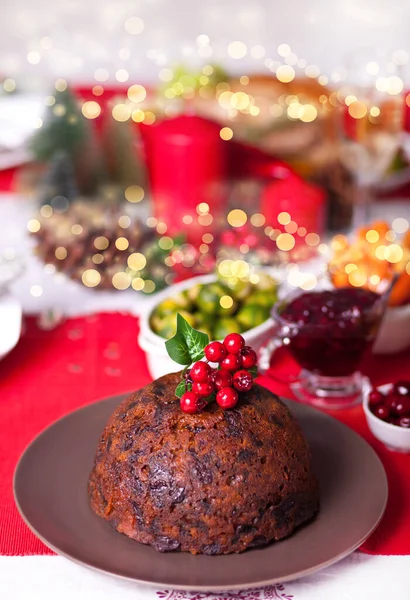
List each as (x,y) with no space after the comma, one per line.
(159,363)
(10,323)
(395,438)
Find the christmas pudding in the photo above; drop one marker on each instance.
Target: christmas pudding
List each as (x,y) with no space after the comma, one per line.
(220,470)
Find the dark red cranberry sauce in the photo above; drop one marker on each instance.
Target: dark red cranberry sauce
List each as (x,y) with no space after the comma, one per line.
(330,330)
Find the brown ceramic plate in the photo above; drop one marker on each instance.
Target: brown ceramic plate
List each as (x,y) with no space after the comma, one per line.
(50,488)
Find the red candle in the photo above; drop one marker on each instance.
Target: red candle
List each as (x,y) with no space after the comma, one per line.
(304,202)
(187,167)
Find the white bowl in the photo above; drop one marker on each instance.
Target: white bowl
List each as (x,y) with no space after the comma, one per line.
(159,363)
(395,438)
(394,332)
(10,322)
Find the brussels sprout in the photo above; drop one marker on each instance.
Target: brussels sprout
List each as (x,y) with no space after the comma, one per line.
(225,326)
(167,326)
(209,296)
(264,298)
(241,290)
(193,292)
(182,300)
(167,307)
(252,315)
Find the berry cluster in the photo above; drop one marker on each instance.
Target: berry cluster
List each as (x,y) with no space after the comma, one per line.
(394,406)
(204,382)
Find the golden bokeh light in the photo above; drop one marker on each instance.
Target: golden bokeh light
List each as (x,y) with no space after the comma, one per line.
(76,229)
(285,73)
(134,193)
(162,228)
(152,222)
(308,113)
(36,291)
(166,243)
(149,286)
(122,243)
(137,93)
(239,269)
(380,252)
(312,239)
(121,281)
(357,278)
(187,219)
(46,211)
(33,225)
(121,112)
(291,227)
(97,258)
(208,238)
(284,218)
(394,253)
(137,284)
(60,253)
(136,261)
(302,231)
(285,241)
(138,115)
(372,236)
(357,110)
(237,50)
(101,242)
(237,217)
(91,278)
(226,302)
(258,220)
(226,133)
(202,208)
(91,109)
(124,221)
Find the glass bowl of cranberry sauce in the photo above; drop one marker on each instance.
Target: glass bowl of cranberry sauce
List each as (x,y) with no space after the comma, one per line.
(328,333)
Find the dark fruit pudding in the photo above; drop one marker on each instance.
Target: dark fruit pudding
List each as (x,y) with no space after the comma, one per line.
(392,406)
(328,331)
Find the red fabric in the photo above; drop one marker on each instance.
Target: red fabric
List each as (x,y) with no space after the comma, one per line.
(7,177)
(51,373)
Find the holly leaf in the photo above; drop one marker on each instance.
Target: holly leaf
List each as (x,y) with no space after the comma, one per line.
(180,389)
(253,371)
(187,345)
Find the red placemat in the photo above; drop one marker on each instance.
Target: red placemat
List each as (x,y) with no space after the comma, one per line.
(51,373)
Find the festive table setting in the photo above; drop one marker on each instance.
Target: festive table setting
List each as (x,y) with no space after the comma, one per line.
(205,318)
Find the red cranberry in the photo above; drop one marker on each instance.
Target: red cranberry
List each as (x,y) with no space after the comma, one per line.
(242,381)
(222,379)
(202,389)
(393,420)
(190,403)
(231,362)
(382,412)
(200,372)
(404,422)
(402,388)
(403,406)
(234,343)
(227,397)
(391,401)
(215,352)
(375,398)
(248,357)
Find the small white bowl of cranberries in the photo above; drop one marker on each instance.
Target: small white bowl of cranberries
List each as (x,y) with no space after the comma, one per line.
(387,410)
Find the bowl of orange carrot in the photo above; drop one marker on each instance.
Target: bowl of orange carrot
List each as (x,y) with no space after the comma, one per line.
(371,258)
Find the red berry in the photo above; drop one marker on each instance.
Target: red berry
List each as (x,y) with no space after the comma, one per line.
(404,422)
(403,406)
(402,388)
(234,343)
(242,381)
(202,389)
(231,362)
(382,412)
(375,398)
(227,397)
(248,357)
(215,352)
(222,379)
(391,402)
(393,420)
(190,403)
(200,371)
